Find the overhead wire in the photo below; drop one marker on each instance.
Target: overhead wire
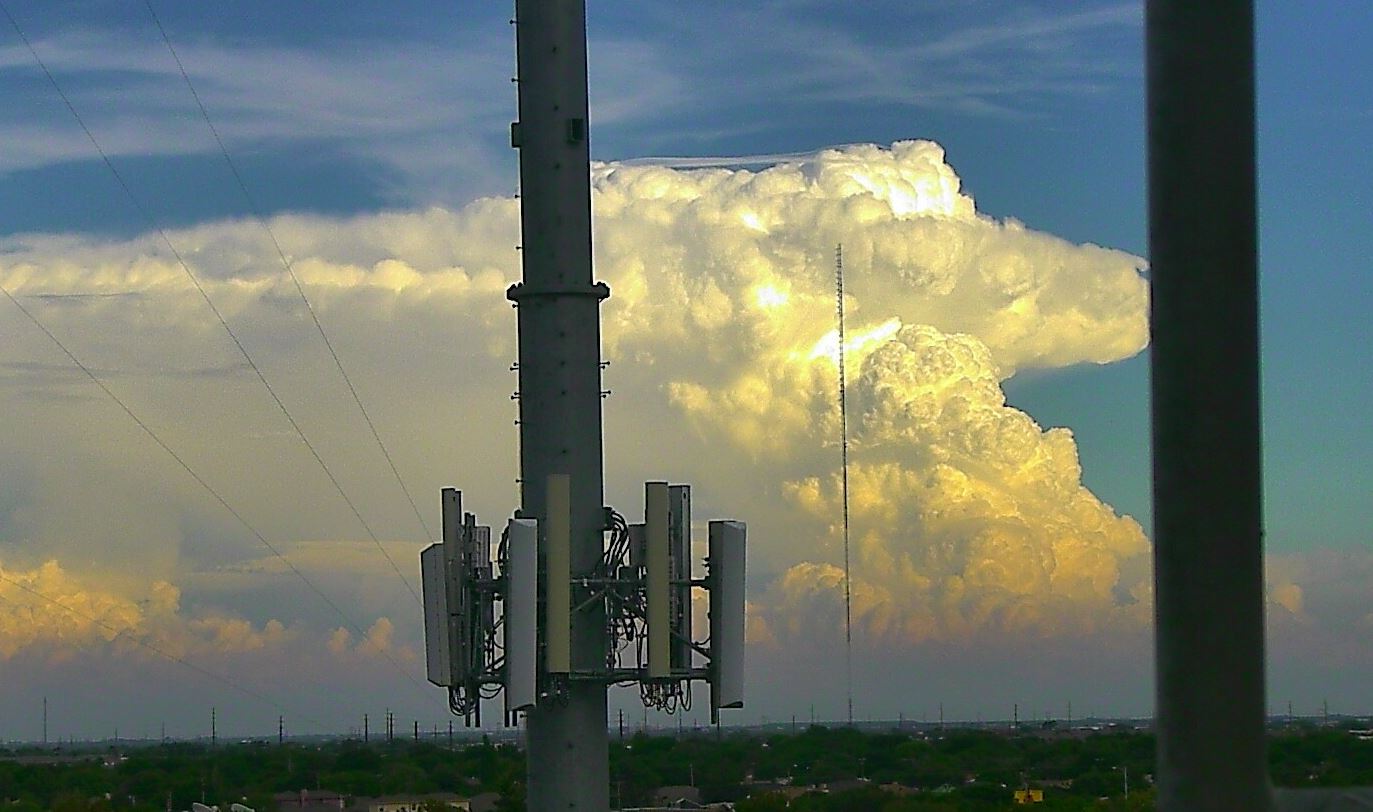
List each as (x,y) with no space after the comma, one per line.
(200,288)
(180,461)
(286,264)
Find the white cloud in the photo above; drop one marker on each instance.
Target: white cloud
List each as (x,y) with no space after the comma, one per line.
(419,114)
(52,611)
(970,521)
(388,107)
(1010,60)
(722,314)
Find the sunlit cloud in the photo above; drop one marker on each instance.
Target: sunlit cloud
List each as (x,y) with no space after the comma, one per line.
(970,521)
(968,514)
(53,612)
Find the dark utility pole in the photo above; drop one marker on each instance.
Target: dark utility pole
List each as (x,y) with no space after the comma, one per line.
(1208,542)
(560,382)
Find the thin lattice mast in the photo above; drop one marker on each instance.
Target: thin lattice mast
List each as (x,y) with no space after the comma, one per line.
(844,477)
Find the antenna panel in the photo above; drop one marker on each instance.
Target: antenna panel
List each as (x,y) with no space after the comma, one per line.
(455,585)
(522,614)
(479,568)
(438,666)
(558,565)
(637,539)
(726,574)
(659,579)
(679,560)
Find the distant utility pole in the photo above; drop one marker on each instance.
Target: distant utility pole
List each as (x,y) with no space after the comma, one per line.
(45,721)
(365,731)
(214,731)
(281,729)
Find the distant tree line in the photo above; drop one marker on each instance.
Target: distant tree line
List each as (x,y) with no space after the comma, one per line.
(151,778)
(816,769)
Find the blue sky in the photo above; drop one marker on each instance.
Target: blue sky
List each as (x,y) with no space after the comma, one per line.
(348,109)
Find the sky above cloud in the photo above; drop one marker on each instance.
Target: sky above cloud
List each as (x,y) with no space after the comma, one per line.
(979,162)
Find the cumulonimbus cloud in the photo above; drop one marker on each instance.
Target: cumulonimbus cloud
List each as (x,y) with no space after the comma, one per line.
(968,515)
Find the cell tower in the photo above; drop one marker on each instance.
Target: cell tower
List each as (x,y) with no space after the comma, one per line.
(586,599)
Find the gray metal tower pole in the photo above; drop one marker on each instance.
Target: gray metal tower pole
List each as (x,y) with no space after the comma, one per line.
(560,376)
(1208,545)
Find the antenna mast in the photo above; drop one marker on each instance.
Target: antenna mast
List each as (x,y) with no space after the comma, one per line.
(586,599)
(844,478)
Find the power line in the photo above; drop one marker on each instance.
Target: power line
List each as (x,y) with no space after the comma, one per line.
(844,477)
(286,263)
(201,480)
(248,692)
(262,378)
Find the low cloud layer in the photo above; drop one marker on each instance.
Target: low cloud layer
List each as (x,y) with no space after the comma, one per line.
(50,610)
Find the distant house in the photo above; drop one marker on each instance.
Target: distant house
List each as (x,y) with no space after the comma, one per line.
(846,784)
(677,797)
(46,759)
(722,806)
(411,803)
(788,791)
(306,800)
(485,802)
(1029,796)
